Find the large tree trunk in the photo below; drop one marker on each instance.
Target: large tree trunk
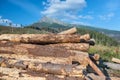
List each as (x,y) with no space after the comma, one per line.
(44,38)
(69,31)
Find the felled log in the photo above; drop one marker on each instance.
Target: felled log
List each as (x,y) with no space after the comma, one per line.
(60,55)
(72,46)
(44,51)
(69,31)
(54,57)
(44,38)
(45,67)
(94,67)
(116,60)
(112,65)
(43,59)
(40,76)
(69,46)
(59,69)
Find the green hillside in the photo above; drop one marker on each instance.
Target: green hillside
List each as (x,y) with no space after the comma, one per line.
(99,37)
(15,30)
(112,33)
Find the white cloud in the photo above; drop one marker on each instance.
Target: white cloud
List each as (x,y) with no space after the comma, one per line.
(107,17)
(81,23)
(66,8)
(7,21)
(85,17)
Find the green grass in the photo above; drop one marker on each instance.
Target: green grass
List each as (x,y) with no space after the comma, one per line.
(105,52)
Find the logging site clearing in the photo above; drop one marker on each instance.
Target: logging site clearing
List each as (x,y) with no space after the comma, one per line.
(61,56)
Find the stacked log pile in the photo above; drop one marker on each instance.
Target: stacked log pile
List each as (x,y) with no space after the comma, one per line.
(62,56)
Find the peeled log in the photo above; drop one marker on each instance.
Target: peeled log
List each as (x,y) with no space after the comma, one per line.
(44,38)
(72,46)
(116,60)
(69,31)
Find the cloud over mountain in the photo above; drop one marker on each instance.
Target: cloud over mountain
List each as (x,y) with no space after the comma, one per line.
(63,8)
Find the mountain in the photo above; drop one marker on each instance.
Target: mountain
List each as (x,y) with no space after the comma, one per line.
(57,26)
(52,20)
(49,24)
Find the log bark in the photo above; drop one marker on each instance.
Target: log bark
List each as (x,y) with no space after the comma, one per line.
(72,46)
(59,69)
(69,31)
(45,67)
(40,76)
(116,60)
(10,71)
(44,51)
(97,70)
(41,59)
(44,38)
(65,58)
(112,65)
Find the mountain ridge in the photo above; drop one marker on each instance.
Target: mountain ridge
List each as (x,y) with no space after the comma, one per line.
(55,23)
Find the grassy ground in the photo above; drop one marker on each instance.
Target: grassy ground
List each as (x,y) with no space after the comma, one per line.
(105,52)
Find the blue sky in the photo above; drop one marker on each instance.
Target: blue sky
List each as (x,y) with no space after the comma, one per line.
(98,13)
